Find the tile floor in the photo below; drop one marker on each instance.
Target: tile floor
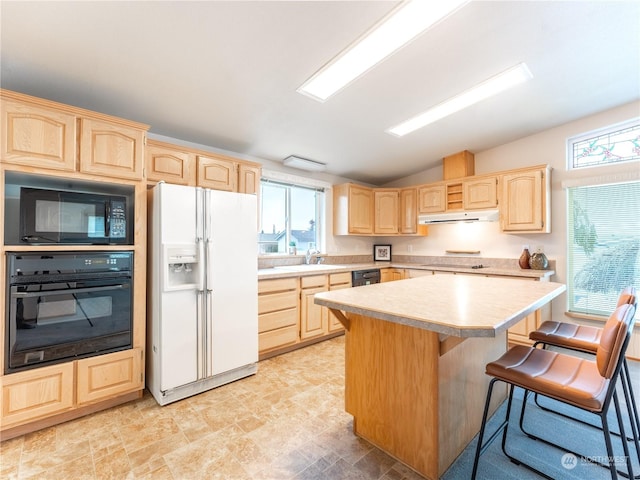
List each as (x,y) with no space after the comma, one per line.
(286,422)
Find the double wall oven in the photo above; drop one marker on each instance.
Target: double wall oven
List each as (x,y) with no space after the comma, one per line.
(66,305)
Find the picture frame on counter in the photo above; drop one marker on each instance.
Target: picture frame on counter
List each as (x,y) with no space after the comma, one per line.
(382,253)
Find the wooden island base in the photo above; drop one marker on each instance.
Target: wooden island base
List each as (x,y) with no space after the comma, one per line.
(414,393)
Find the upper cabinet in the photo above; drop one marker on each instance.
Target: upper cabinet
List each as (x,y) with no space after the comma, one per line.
(386,211)
(186,166)
(111,150)
(39,137)
(249,179)
(408,211)
(525,200)
(432,198)
(458,165)
(480,193)
(169,163)
(352,210)
(217,172)
(42,134)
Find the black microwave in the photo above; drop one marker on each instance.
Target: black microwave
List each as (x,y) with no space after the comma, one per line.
(59,216)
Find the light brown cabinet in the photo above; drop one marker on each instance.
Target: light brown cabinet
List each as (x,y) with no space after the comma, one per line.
(109,375)
(168,163)
(38,137)
(37,393)
(314,319)
(386,211)
(278,313)
(218,173)
(352,210)
(480,193)
(42,134)
(525,201)
(408,211)
(432,198)
(458,165)
(249,179)
(391,274)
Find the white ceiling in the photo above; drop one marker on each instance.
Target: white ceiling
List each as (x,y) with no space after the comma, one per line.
(225,74)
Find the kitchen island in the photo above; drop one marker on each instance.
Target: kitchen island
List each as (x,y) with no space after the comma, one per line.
(415,356)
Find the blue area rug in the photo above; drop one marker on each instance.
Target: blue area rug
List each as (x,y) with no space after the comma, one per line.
(587,441)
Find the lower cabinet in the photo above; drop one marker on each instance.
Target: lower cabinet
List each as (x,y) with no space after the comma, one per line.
(106,376)
(391,274)
(42,392)
(314,319)
(278,313)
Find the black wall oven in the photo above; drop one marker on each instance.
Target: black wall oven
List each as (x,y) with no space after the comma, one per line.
(62,306)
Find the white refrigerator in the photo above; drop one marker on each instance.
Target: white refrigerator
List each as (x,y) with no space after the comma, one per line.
(202,327)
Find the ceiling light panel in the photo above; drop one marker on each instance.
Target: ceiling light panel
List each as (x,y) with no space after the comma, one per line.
(304,164)
(494,85)
(396,30)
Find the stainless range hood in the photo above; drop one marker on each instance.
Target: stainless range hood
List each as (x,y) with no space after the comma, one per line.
(459,216)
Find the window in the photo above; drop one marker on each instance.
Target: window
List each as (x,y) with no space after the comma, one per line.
(616,144)
(290,218)
(603,224)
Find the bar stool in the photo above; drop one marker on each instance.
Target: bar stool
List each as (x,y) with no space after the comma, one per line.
(585,339)
(585,384)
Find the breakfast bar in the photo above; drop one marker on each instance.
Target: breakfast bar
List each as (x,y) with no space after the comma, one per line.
(415,356)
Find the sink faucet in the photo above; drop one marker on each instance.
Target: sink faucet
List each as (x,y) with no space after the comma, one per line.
(307,257)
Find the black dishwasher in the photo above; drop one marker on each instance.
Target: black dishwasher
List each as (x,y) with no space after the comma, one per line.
(365,277)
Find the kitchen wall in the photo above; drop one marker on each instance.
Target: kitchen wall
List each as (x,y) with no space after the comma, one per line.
(548,147)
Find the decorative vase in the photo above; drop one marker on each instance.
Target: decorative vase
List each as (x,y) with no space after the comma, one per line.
(538,261)
(524,259)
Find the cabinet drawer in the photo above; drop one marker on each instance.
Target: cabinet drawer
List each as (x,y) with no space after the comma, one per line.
(109,375)
(277,338)
(36,393)
(277,301)
(313,281)
(274,320)
(338,278)
(277,285)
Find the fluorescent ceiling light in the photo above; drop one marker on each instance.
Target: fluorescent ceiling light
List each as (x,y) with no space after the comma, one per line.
(304,164)
(394,31)
(515,75)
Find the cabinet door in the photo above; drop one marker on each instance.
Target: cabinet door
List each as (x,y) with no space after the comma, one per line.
(408,210)
(38,137)
(111,150)
(36,393)
(109,375)
(170,165)
(386,212)
(360,210)
(479,194)
(217,173)
(432,199)
(524,202)
(313,318)
(249,179)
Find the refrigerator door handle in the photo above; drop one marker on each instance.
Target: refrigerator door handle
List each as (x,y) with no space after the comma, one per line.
(208,336)
(201,264)
(200,335)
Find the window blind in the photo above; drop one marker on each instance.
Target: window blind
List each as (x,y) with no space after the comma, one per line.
(603,245)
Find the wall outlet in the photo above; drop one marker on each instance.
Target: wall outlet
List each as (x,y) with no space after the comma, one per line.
(539,248)
(409,248)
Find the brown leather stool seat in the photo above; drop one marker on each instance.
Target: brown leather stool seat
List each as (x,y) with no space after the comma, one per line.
(583,383)
(567,378)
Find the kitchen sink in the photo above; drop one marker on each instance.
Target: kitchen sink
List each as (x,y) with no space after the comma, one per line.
(311,266)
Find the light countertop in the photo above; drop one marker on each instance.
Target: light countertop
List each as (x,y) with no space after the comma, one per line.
(458,305)
(322,269)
